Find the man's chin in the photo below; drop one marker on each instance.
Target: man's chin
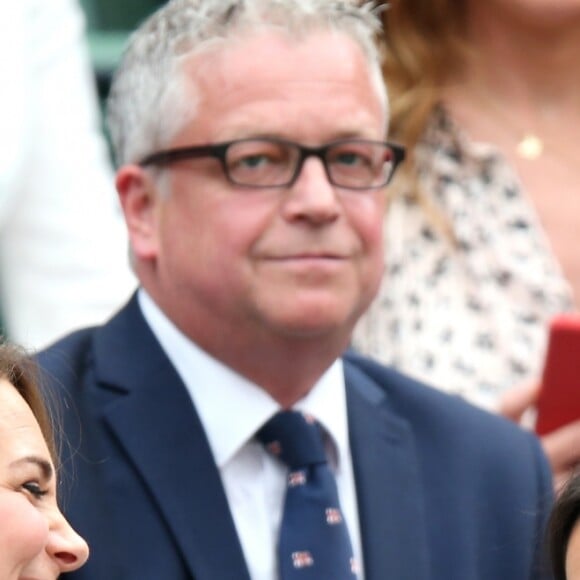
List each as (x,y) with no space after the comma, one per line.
(316,323)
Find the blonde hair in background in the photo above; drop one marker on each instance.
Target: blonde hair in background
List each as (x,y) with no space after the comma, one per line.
(423,43)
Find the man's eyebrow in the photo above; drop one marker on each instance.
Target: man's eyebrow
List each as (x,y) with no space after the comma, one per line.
(45,466)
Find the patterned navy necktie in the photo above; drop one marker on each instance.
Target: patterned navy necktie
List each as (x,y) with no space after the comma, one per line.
(314,542)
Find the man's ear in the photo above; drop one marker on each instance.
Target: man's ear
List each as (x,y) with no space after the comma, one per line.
(139,200)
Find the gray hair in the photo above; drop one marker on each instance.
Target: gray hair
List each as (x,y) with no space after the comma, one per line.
(148,104)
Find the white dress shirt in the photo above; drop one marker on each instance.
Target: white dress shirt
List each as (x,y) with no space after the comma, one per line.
(232,409)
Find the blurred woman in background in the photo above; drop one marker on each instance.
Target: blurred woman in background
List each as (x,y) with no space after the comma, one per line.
(481,236)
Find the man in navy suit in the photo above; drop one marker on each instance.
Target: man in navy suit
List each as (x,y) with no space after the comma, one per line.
(253,164)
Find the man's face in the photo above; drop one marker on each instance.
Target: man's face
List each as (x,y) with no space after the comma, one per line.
(301,261)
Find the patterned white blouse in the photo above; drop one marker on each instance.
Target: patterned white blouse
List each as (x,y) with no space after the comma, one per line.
(470,319)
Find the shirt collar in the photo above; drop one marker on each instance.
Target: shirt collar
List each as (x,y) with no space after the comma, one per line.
(209,382)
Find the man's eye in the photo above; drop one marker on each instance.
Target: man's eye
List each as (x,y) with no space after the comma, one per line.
(34,489)
(352,159)
(254,161)
(348,158)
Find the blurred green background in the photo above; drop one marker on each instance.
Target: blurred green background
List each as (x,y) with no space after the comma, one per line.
(109,23)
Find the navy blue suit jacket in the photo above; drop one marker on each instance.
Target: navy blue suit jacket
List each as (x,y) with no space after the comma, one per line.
(445,491)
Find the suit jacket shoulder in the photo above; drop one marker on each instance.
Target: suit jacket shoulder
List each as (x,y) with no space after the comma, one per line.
(472,488)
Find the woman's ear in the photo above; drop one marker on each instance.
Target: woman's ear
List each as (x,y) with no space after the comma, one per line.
(139,198)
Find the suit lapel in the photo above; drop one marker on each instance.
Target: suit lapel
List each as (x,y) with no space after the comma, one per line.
(389,492)
(154,420)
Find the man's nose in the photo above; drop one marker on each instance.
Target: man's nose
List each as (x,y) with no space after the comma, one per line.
(65,546)
(312,197)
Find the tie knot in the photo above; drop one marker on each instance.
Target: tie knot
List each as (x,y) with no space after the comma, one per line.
(295,438)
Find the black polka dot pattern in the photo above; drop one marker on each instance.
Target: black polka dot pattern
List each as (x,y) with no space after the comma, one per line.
(469,317)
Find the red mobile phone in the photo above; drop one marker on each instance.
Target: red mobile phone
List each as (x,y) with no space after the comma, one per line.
(559,399)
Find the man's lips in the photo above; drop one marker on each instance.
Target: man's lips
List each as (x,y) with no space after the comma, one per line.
(296,256)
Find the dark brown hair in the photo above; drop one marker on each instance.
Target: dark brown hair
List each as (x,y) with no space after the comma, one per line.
(18,368)
(565,515)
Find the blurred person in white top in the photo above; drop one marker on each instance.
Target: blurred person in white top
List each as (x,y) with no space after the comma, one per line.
(60,228)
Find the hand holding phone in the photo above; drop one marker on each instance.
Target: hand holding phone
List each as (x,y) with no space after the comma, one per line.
(559,399)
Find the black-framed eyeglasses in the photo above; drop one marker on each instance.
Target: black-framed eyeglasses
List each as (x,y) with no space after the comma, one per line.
(356,164)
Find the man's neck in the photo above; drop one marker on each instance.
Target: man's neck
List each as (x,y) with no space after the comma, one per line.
(285,364)
(287,368)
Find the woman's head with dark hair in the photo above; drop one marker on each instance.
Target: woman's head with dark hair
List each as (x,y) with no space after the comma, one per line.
(564,532)
(36,541)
